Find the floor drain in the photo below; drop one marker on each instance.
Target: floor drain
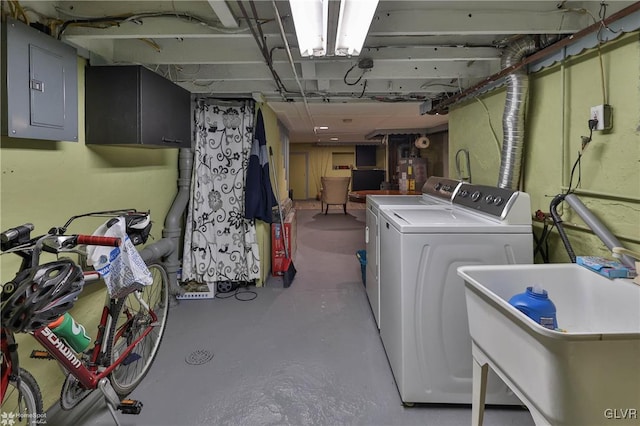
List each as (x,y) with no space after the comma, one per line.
(199,357)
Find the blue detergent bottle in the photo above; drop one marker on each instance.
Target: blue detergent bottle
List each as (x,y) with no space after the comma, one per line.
(535,304)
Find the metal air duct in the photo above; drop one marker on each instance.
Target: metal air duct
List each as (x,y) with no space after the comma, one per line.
(513,118)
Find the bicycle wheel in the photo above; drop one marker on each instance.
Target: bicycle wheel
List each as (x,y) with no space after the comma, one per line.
(130,320)
(22,402)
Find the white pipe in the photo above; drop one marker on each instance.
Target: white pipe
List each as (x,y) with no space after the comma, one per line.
(564,171)
(607,195)
(583,228)
(626,251)
(598,227)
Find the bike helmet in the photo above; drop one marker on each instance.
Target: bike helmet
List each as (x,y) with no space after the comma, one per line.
(37,296)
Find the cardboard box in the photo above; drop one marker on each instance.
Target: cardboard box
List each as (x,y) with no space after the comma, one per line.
(605,267)
(195,290)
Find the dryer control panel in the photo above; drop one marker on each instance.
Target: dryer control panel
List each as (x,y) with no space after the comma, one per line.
(441,187)
(487,199)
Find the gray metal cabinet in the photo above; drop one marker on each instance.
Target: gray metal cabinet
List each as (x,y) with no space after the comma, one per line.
(131,105)
(39,85)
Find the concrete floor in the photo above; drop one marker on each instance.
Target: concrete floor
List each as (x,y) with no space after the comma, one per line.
(309,354)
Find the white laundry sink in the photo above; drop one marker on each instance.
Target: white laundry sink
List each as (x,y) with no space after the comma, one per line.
(587,374)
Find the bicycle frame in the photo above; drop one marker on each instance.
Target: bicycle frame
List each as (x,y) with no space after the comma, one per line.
(95,369)
(90,376)
(9,360)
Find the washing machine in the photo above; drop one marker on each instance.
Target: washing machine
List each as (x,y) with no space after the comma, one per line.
(436,193)
(424,328)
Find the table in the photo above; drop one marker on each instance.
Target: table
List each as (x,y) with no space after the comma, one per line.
(361,196)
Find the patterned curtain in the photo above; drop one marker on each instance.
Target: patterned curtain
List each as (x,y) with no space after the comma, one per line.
(220,244)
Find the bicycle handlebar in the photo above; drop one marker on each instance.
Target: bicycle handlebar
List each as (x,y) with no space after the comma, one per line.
(67,243)
(93,240)
(16,236)
(17,232)
(18,240)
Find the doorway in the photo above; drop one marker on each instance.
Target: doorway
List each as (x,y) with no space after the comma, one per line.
(299,175)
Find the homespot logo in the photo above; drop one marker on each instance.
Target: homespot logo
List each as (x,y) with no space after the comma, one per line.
(8,419)
(621,413)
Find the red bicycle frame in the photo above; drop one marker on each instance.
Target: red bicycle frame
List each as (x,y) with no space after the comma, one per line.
(87,376)
(91,371)
(9,358)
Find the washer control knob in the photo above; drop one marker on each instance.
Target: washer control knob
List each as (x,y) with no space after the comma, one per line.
(488,199)
(498,201)
(464,193)
(438,186)
(476,196)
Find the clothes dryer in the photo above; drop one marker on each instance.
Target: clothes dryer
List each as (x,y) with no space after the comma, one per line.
(424,326)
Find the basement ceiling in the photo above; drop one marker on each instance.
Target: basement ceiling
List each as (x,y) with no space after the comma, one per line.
(421,51)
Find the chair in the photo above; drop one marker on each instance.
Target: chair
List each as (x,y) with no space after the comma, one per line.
(335,190)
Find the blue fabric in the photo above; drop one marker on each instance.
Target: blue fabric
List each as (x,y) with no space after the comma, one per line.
(259,198)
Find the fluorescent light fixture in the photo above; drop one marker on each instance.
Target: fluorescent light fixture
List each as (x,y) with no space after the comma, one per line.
(353,25)
(323,127)
(310,19)
(333,139)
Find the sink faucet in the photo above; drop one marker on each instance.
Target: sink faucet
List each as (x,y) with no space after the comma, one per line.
(618,252)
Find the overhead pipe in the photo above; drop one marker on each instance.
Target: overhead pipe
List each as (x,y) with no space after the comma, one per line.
(263,48)
(292,64)
(166,250)
(268,54)
(443,107)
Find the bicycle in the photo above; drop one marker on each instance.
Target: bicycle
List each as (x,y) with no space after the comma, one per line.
(128,336)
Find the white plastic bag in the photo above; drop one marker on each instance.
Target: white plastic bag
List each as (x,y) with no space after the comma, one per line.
(121,268)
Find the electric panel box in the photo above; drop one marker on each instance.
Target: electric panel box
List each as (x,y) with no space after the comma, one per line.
(39,85)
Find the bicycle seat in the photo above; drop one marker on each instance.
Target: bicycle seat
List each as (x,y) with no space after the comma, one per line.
(138,226)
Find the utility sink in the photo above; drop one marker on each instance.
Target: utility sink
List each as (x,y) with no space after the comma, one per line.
(586,374)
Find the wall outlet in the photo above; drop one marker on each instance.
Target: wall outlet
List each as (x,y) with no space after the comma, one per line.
(604,115)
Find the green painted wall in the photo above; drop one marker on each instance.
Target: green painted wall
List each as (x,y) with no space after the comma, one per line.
(46,182)
(560,98)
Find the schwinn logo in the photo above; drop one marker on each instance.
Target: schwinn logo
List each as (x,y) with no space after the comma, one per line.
(61,347)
